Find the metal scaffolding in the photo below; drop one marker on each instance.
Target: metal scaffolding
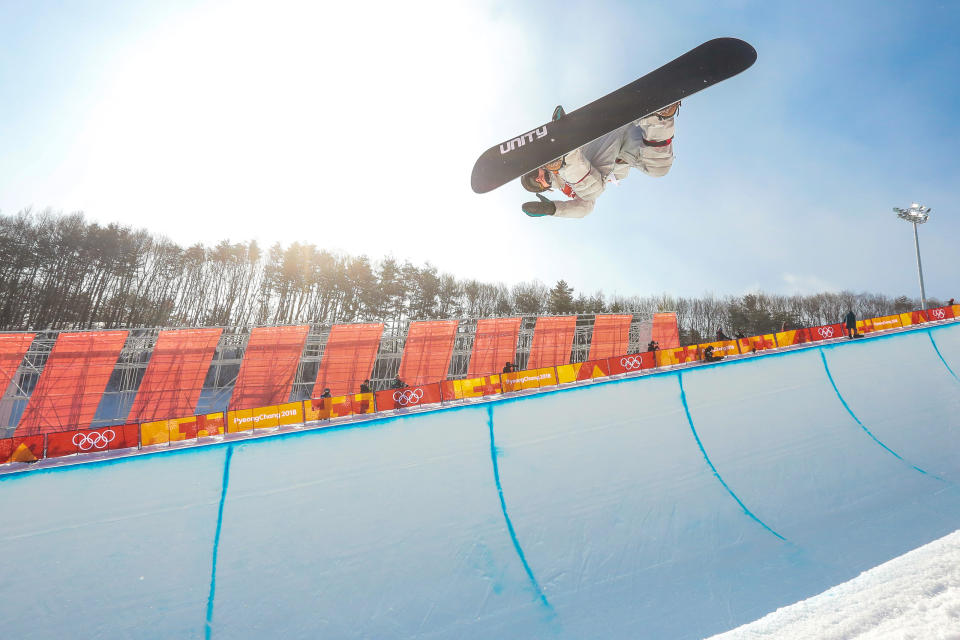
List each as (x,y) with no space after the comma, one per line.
(221,377)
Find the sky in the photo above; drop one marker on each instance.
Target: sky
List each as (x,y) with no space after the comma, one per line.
(355,127)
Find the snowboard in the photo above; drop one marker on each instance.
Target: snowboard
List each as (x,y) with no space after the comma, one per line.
(706,65)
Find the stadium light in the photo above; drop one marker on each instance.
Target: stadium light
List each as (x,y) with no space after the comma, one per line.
(916,214)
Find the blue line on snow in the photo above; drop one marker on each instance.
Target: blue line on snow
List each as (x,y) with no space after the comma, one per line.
(216,542)
(826,368)
(940,355)
(503,507)
(686,408)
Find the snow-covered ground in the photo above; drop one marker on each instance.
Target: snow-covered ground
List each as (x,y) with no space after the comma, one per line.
(915,596)
(680,504)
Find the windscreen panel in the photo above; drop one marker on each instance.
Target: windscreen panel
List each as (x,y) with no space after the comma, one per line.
(665,330)
(72,382)
(427,352)
(552,341)
(348,358)
(611,336)
(13,347)
(494,344)
(269,366)
(174,377)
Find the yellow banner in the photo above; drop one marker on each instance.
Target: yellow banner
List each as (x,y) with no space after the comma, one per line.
(476,387)
(239,420)
(176,434)
(213,427)
(529,379)
(266,417)
(678,355)
(878,324)
(724,348)
(156,432)
(757,343)
(290,413)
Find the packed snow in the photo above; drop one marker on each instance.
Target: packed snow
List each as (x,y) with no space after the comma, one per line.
(914,596)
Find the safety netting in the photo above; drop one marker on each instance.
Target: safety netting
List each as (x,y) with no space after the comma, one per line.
(427,352)
(73,381)
(348,358)
(552,341)
(611,336)
(494,344)
(269,366)
(13,346)
(665,330)
(174,377)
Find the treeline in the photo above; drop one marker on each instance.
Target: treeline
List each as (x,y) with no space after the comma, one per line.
(63,272)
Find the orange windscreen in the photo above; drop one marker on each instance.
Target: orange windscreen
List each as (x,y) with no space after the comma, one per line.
(72,383)
(269,366)
(552,341)
(665,330)
(429,347)
(174,377)
(348,358)
(13,346)
(611,336)
(494,345)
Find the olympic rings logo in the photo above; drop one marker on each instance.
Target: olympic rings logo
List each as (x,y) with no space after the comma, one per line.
(94,439)
(632,362)
(407,397)
(938,314)
(825,332)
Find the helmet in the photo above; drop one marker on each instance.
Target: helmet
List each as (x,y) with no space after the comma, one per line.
(529,181)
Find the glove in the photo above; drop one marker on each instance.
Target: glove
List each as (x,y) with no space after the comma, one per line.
(545,207)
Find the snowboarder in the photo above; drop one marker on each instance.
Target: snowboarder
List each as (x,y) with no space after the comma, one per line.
(645,144)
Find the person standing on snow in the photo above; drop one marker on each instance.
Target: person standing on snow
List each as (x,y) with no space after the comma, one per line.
(645,144)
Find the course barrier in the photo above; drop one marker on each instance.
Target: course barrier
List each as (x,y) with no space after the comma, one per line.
(216,426)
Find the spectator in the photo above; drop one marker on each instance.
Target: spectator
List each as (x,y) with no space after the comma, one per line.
(783,326)
(950,302)
(851,321)
(365,386)
(509,367)
(398,383)
(325,394)
(721,336)
(653,345)
(708,355)
(739,335)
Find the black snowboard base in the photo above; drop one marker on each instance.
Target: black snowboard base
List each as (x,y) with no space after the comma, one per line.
(706,65)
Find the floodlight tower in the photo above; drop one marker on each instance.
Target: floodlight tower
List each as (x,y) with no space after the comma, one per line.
(916,214)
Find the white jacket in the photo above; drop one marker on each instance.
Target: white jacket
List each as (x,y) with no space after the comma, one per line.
(586,170)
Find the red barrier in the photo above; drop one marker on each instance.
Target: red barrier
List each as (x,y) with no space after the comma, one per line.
(408,397)
(828,332)
(68,443)
(21,449)
(940,313)
(792,337)
(633,362)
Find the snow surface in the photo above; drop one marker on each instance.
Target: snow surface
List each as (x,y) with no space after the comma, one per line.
(914,596)
(679,504)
